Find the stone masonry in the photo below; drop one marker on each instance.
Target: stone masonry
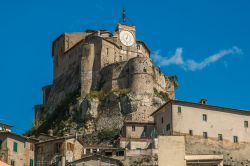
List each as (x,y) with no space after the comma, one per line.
(95,61)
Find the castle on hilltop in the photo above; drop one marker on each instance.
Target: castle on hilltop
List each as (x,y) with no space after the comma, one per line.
(97,61)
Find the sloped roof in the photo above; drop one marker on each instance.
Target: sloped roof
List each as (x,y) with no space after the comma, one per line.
(97,157)
(206,106)
(7,133)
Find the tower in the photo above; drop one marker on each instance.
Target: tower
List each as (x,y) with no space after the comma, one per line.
(126,33)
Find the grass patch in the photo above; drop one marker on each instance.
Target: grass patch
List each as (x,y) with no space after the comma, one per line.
(164,96)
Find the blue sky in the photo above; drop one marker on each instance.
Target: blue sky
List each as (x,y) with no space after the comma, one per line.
(205,43)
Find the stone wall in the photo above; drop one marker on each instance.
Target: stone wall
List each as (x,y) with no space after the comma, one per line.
(61,47)
(47,151)
(234,154)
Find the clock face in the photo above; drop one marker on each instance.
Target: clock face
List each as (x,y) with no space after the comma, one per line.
(127,38)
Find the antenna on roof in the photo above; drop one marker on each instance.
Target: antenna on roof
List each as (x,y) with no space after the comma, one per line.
(124,17)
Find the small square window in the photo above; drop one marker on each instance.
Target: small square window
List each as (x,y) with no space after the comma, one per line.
(191,132)
(133,128)
(246,124)
(235,139)
(220,137)
(205,135)
(179,110)
(204,117)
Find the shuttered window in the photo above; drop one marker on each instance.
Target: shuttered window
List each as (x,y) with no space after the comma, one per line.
(31,162)
(15,147)
(179,110)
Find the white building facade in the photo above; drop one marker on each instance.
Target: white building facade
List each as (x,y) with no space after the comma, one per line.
(206,121)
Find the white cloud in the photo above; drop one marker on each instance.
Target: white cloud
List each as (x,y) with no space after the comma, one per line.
(176,59)
(190,64)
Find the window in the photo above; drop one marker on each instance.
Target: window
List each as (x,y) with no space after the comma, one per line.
(12,162)
(14,146)
(107,51)
(1,142)
(235,139)
(191,132)
(161,119)
(138,46)
(145,129)
(204,117)
(220,137)
(168,127)
(133,128)
(246,124)
(179,110)
(31,162)
(31,147)
(205,135)
(57,147)
(70,146)
(94,150)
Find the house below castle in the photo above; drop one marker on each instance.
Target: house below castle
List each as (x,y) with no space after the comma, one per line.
(188,133)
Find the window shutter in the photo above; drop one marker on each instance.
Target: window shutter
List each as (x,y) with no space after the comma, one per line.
(179,109)
(15,147)
(31,162)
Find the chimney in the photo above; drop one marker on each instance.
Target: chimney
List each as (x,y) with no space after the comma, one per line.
(50,132)
(203,101)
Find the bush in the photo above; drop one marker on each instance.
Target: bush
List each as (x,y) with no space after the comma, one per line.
(162,95)
(108,136)
(56,120)
(174,80)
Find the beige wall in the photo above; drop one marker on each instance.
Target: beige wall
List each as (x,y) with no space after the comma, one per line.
(46,151)
(227,124)
(77,152)
(171,151)
(190,118)
(22,156)
(139,132)
(133,144)
(166,115)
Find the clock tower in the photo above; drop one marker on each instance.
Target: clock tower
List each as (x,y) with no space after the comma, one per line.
(125,32)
